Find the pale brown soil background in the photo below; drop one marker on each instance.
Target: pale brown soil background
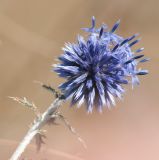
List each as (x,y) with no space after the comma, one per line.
(32,33)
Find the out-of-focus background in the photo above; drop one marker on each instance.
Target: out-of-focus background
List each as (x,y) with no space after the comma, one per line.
(32,33)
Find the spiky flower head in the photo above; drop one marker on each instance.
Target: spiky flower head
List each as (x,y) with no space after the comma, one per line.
(97,68)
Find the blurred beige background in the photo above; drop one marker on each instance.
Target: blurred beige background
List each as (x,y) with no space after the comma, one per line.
(32,33)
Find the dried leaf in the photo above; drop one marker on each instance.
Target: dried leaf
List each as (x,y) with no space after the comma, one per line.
(73,130)
(52,121)
(39,138)
(24,102)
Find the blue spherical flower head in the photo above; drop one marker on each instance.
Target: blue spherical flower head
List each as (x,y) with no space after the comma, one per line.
(97,68)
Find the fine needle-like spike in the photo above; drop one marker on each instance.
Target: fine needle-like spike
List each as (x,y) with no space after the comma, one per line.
(144,60)
(139,50)
(142,72)
(116,46)
(101,32)
(93,22)
(116,25)
(134,42)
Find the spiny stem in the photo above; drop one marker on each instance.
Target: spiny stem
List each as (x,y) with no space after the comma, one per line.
(38,124)
(41,119)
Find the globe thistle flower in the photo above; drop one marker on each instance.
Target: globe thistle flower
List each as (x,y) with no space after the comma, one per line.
(97,68)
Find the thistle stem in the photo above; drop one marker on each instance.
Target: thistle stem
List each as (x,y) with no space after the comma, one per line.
(38,124)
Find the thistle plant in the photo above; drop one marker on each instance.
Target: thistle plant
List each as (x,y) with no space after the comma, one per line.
(96,69)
